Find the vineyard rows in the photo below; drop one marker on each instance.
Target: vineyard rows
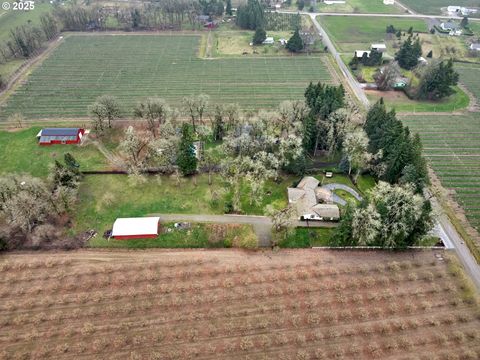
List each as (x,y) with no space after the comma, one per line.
(133,67)
(452,146)
(215,305)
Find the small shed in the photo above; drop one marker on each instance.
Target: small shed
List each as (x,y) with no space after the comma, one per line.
(268,41)
(50,136)
(475,47)
(379,47)
(136,228)
(329,212)
(359,53)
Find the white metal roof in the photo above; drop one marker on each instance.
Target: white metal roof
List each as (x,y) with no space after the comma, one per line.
(135,226)
(379,46)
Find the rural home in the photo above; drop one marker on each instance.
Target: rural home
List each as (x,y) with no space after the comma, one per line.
(51,136)
(359,53)
(449,26)
(136,228)
(379,47)
(475,47)
(455,10)
(306,197)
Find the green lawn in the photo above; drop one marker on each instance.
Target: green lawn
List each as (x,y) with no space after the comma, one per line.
(306,237)
(434,6)
(360,6)
(11,19)
(20,152)
(401,103)
(357,33)
(199,235)
(132,67)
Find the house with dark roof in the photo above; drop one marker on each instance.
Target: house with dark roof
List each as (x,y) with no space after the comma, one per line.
(51,136)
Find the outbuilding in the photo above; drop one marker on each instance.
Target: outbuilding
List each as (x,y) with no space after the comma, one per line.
(136,228)
(51,136)
(379,47)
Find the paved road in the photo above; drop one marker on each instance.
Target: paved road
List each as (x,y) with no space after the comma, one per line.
(413,16)
(354,84)
(452,240)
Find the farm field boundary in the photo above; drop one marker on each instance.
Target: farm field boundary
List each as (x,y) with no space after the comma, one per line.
(84,67)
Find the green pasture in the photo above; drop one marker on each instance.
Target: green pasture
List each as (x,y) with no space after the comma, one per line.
(306,237)
(401,103)
(361,6)
(20,152)
(132,67)
(434,6)
(351,33)
(452,146)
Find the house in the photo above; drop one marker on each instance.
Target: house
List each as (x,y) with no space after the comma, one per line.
(388,2)
(475,47)
(328,212)
(379,47)
(359,53)
(268,41)
(306,197)
(136,228)
(449,26)
(51,136)
(456,10)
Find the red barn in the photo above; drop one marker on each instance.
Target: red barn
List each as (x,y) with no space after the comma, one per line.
(60,136)
(136,228)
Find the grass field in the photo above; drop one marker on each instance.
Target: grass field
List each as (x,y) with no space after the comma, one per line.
(356,33)
(20,152)
(360,6)
(227,304)
(452,146)
(132,67)
(401,103)
(306,238)
(434,6)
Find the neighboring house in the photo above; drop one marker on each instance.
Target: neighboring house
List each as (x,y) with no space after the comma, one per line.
(359,53)
(306,197)
(475,47)
(268,41)
(455,10)
(136,228)
(449,26)
(379,47)
(51,136)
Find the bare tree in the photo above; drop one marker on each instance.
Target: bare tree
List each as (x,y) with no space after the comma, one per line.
(155,111)
(195,107)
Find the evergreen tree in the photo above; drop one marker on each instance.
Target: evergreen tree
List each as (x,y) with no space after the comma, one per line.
(295,43)
(342,236)
(464,22)
(218,126)
(409,53)
(251,16)
(390,29)
(228,8)
(259,36)
(436,83)
(186,160)
(71,163)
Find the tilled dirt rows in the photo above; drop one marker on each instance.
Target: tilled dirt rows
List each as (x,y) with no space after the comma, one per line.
(226,304)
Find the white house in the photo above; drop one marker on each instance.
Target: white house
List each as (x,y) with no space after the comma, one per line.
(475,47)
(379,47)
(268,41)
(359,53)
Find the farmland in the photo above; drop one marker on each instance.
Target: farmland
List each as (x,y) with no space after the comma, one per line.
(360,6)
(236,305)
(132,67)
(356,33)
(469,75)
(434,6)
(452,146)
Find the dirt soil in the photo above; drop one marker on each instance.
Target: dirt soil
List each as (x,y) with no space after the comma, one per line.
(227,304)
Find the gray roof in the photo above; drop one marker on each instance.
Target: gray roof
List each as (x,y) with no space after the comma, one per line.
(308,182)
(60,132)
(327,210)
(450,25)
(475,46)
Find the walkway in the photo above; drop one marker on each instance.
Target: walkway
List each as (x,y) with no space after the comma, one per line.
(337,199)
